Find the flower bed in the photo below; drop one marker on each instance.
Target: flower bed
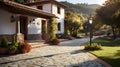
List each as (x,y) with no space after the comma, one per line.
(14,47)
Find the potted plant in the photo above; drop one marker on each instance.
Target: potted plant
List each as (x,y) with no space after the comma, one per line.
(13,48)
(3,50)
(3,45)
(25,47)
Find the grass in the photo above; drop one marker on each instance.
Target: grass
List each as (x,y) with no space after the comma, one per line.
(110,50)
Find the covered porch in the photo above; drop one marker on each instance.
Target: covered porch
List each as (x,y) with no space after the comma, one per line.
(19,17)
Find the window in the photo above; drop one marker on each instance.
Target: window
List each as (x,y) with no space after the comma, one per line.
(59,28)
(58,10)
(40,7)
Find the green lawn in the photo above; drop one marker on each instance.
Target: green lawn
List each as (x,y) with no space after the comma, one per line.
(110,51)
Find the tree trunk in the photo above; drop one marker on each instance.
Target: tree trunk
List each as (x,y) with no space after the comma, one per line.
(86,32)
(113,30)
(119,31)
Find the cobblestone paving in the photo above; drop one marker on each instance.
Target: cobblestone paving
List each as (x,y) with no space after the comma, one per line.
(64,55)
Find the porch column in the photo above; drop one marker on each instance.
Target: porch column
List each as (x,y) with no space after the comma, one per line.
(19,36)
(18,27)
(46,27)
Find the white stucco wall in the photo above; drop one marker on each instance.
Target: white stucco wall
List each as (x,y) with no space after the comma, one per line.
(60,16)
(52,7)
(47,8)
(6,27)
(34,25)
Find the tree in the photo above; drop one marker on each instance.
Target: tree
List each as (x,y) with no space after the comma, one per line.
(106,14)
(72,23)
(109,2)
(86,26)
(116,16)
(97,23)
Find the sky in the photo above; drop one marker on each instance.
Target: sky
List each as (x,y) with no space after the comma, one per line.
(100,2)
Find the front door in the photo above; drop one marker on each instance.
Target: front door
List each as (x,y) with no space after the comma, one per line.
(44,29)
(23,26)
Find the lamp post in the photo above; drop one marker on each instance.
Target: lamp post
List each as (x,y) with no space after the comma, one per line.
(90,21)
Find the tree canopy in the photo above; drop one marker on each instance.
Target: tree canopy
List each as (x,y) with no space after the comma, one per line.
(72,23)
(109,14)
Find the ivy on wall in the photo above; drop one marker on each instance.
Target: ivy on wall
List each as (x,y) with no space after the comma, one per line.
(52,28)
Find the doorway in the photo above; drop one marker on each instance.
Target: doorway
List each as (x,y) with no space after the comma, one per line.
(44,29)
(23,26)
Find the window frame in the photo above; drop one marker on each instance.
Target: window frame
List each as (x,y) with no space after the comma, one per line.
(40,7)
(58,10)
(59,26)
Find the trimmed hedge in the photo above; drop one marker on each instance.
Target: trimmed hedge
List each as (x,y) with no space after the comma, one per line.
(93,46)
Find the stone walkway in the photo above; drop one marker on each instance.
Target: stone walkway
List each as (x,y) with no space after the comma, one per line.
(67,54)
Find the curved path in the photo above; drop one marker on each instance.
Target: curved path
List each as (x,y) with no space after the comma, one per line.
(67,54)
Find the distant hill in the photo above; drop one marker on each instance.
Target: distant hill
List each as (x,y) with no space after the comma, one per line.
(81,8)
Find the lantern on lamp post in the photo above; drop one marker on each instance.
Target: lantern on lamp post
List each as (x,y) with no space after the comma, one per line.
(90,22)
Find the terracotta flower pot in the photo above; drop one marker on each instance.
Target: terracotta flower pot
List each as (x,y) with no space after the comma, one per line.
(3,50)
(11,51)
(24,51)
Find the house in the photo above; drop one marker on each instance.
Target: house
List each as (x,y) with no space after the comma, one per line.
(17,19)
(53,7)
(26,21)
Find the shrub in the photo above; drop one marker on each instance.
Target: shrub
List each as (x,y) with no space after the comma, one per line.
(15,43)
(13,47)
(93,46)
(52,28)
(4,42)
(25,47)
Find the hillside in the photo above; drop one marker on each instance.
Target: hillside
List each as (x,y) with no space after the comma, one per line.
(81,8)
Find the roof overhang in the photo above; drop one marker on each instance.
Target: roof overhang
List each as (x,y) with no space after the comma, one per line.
(46,2)
(17,8)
